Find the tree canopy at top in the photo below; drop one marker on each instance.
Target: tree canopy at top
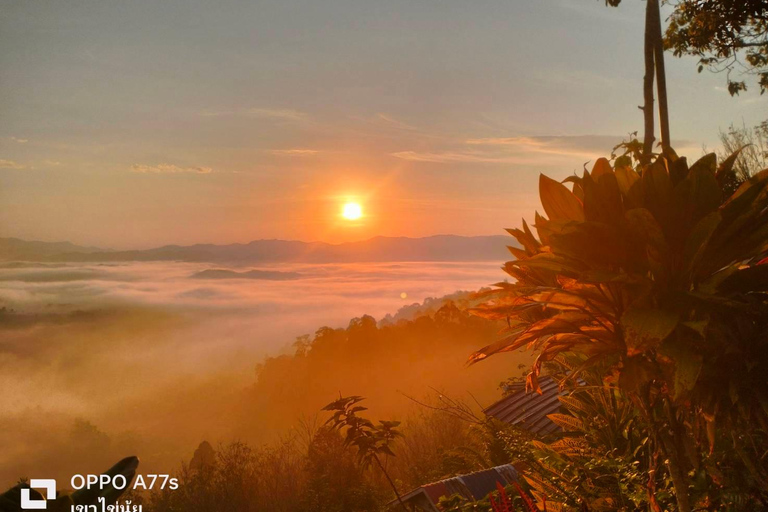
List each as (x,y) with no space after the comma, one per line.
(720,33)
(726,36)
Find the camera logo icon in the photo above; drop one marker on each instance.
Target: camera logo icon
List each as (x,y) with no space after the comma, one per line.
(27,503)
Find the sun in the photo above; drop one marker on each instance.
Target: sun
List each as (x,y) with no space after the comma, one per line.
(352,211)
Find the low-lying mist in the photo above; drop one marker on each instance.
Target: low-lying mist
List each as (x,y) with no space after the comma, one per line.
(100,361)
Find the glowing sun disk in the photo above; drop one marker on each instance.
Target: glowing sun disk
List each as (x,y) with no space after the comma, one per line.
(352,211)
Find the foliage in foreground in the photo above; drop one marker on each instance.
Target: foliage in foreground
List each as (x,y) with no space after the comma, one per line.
(372,442)
(288,476)
(654,280)
(315,470)
(511,499)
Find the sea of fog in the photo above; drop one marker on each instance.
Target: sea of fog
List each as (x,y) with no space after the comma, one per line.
(133,348)
(272,311)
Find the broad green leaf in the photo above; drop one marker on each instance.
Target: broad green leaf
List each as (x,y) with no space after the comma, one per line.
(646,229)
(671,155)
(697,241)
(687,370)
(756,180)
(726,167)
(710,285)
(506,344)
(715,302)
(657,190)
(593,243)
(601,167)
(626,177)
(565,342)
(634,374)
(645,329)
(542,228)
(706,193)
(559,203)
(678,170)
(645,224)
(525,238)
(578,191)
(602,198)
(686,363)
(699,326)
(750,279)
(548,261)
(706,163)
(517,253)
(630,186)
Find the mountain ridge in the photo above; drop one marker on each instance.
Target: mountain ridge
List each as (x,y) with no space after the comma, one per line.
(376,249)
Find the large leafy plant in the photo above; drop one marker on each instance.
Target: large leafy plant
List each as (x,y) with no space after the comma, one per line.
(656,279)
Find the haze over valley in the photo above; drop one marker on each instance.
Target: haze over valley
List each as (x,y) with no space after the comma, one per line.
(123,352)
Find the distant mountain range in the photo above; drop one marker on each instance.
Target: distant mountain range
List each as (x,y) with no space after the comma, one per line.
(14,249)
(377,249)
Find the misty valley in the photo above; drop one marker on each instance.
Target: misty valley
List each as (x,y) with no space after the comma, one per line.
(152,358)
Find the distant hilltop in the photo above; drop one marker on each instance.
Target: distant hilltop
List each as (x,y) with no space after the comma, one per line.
(377,249)
(15,249)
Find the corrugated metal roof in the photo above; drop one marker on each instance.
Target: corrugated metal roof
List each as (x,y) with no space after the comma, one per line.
(436,490)
(482,483)
(529,410)
(473,486)
(456,485)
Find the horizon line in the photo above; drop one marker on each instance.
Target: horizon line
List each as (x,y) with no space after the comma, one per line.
(109,249)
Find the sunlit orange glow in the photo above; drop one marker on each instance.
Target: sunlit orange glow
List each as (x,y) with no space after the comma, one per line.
(352,211)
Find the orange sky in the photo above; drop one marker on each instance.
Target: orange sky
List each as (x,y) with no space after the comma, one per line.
(146,123)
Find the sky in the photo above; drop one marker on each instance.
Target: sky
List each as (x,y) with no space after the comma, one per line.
(143,123)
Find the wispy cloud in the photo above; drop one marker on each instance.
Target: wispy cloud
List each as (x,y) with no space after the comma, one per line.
(518,150)
(275,114)
(10,164)
(19,141)
(455,156)
(503,141)
(587,146)
(169,169)
(394,123)
(293,152)
(280,114)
